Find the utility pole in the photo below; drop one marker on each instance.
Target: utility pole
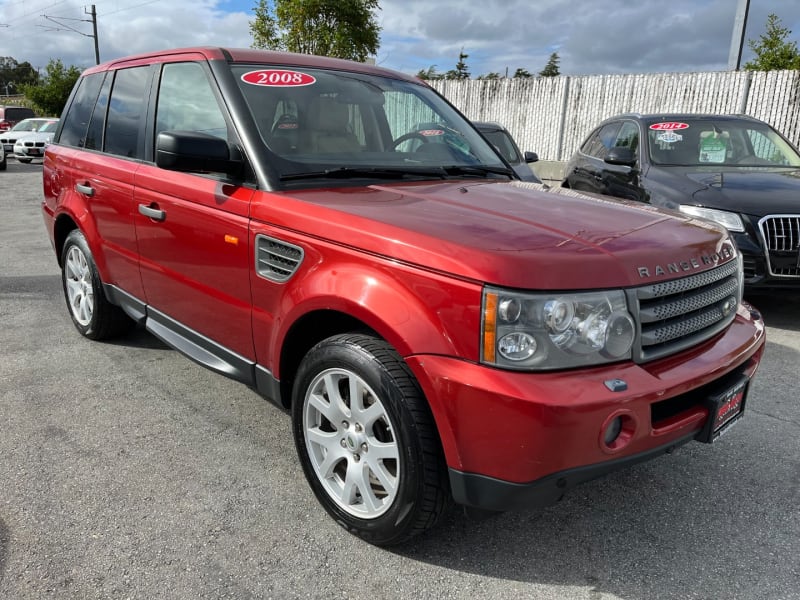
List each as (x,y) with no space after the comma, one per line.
(94,28)
(93,13)
(737,39)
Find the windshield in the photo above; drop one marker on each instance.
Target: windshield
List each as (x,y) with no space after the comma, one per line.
(27,125)
(318,122)
(718,142)
(502,142)
(49,127)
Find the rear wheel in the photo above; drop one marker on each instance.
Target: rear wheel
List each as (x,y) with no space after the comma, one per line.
(93,315)
(366,440)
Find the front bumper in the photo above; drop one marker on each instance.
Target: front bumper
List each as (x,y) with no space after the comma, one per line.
(522,439)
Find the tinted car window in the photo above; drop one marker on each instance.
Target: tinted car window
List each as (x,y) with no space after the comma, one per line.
(601,140)
(77,118)
(502,142)
(94,135)
(186,102)
(125,112)
(628,136)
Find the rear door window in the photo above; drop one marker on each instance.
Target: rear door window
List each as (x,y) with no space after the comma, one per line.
(126,107)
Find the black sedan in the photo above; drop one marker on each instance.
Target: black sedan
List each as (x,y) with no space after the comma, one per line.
(734,170)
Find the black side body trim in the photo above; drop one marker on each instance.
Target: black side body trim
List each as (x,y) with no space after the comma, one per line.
(200,348)
(493,494)
(197,347)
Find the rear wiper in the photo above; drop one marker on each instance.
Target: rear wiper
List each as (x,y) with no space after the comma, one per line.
(375,172)
(478,170)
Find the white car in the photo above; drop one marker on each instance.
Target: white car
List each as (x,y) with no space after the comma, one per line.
(28,146)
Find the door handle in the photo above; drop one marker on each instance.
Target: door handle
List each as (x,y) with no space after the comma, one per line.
(152,213)
(86,190)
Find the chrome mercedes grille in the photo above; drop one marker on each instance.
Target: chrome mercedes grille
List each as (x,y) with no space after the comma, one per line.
(681,313)
(782,239)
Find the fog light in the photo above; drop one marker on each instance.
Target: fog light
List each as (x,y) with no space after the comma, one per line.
(617,431)
(612,431)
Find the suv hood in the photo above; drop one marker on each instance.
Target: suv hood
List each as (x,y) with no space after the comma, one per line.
(509,234)
(754,191)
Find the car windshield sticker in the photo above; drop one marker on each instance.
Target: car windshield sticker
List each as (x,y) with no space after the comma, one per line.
(278,78)
(669,126)
(427,132)
(712,149)
(669,137)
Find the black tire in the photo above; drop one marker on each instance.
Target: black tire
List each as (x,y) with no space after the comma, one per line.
(92,314)
(3,163)
(404,486)
(24,161)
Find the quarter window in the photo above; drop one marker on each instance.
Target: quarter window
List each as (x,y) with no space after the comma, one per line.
(76,121)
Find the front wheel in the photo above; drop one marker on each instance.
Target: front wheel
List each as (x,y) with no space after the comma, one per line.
(92,314)
(366,440)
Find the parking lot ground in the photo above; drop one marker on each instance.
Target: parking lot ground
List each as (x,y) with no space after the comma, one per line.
(127,471)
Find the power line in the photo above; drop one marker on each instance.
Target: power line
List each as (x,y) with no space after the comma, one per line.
(93,21)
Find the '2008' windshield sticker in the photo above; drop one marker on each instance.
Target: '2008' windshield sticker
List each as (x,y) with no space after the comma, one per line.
(669,137)
(278,78)
(669,126)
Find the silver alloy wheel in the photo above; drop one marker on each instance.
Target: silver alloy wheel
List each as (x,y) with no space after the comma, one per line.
(80,292)
(351,443)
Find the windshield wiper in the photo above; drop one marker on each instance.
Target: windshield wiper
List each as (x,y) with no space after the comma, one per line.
(368,172)
(478,170)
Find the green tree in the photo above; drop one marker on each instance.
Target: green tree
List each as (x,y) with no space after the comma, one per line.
(339,28)
(773,52)
(461,71)
(429,74)
(551,68)
(491,75)
(14,75)
(51,93)
(522,74)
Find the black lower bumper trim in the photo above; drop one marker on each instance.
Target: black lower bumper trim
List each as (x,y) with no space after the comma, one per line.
(488,493)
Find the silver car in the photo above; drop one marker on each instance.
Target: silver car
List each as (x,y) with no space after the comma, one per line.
(8,138)
(31,145)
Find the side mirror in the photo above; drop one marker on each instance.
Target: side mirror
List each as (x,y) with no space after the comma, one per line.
(193,151)
(531,157)
(621,156)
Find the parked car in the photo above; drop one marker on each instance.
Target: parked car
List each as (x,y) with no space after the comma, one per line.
(9,138)
(11,115)
(500,137)
(732,169)
(437,329)
(31,145)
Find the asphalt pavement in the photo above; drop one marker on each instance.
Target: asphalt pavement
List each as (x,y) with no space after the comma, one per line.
(128,471)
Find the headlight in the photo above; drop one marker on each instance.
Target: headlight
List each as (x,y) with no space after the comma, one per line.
(539,331)
(730,221)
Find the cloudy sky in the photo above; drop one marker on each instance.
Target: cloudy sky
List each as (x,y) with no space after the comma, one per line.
(590,36)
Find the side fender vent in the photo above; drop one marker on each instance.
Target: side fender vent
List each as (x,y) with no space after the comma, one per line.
(277,260)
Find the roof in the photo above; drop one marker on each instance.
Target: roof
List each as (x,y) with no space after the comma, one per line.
(249,55)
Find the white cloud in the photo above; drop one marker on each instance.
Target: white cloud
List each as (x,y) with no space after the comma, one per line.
(591,36)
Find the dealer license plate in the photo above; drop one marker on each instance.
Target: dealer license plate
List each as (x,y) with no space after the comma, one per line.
(725,409)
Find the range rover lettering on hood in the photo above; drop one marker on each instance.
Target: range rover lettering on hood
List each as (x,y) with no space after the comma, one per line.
(682,266)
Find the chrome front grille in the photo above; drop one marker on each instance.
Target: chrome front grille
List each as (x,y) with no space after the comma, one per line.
(781,235)
(675,315)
